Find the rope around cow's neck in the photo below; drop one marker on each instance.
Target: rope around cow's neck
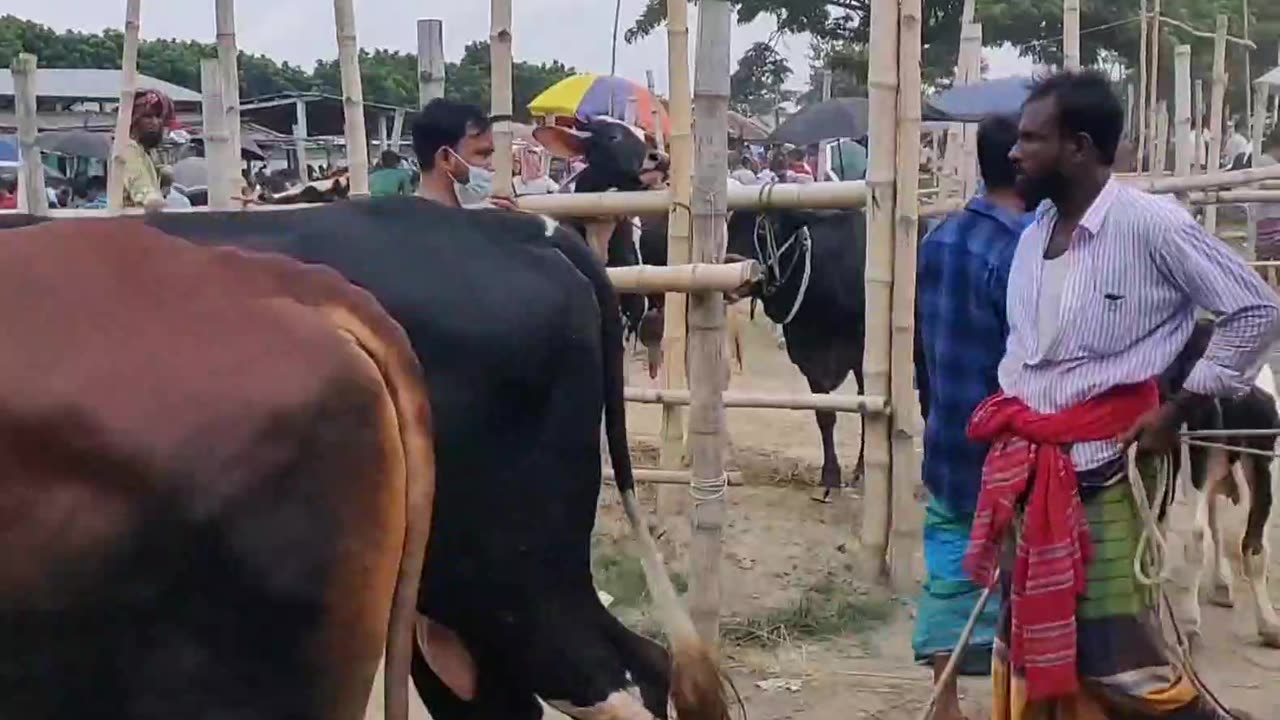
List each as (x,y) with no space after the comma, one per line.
(774,276)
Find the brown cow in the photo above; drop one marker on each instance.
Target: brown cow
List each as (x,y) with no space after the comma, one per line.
(216,478)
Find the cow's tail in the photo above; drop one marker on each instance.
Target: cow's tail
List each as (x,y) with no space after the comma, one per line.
(414,428)
(698,688)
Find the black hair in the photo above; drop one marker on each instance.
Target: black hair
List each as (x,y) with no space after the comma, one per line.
(95,184)
(9,184)
(996,137)
(1085,104)
(390,158)
(444,123)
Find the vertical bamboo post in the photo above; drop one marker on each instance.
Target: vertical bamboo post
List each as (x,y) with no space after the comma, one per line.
(679,249)
(500,95)
(300,136)
(229,66)
(882,76)
(124,114)
(384,134)
(1217,97)
(971,35)
(1184,147)
(905,513)
(1071,34)
(1160,156)
(397,130)
(1259,130)
(1197,122)
(1154,78)
(352,98)
(1275,97)
(430,60)
(1128,112)
(707,370)
(1143,38)
(217,137)
(658,133)
(31,194)
(1248,57)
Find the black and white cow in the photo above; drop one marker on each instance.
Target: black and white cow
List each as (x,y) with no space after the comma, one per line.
(518,331)
(1211,475)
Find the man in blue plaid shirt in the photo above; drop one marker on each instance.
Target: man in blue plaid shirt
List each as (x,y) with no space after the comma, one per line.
(963,273)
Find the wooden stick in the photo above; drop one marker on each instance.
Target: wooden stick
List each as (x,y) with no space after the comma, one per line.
(667,477)
(1143,38)
(124,114)
(431,64)
(1183,143)
(500,95)
(825,195)
(1197,123)
(904,525)
(1154,78)
(1231,178)
(1071,34)
(1232,197)
(679,245)
(860,404)
(229,66)
(883,91)
(1214,150)
(707,371)
(949,671)
(31,193)
(659,137)
(217,139)
(352,98)
(698,277)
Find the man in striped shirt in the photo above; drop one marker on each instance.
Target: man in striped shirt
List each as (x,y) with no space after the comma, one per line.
(1103,292)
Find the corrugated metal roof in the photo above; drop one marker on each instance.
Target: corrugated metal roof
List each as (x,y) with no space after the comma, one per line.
(91,84)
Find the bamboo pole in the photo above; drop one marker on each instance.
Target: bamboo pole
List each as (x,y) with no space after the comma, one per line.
(814,196)
(971,35)
(500,95)
(124,114)
(1259,130)
(300,137)
(217,138)
(1218,95)
(1128,113)
(707,369)
(430,60)
(905,518)
(861,404)
(1153,77)
(1248,56)
(698,277)
(1208,181)
(352,98)
(1197,123)
(31,192)
(883,91)
(1184,148)
(668,477)
(1160,155)
(658,133)
(397,130)
(229,66)
(1143,39)
(1071,34)
(679,248)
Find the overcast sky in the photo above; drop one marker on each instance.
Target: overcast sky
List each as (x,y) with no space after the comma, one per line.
(576,32)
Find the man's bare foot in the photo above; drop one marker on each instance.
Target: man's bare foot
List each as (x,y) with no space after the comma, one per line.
(948,707)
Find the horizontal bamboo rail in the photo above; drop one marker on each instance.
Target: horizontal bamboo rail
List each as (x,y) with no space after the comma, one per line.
(814,196)
(654,476)
(1209,181)
(861,404)
(1231,197)
(685,278)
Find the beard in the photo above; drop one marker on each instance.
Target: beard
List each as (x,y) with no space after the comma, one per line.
(1036,189)
(150,138)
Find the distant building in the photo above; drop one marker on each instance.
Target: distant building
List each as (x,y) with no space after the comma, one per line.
(85,98)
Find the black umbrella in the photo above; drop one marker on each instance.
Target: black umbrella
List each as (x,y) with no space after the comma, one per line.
(835,118)
(76,143)
(972,103)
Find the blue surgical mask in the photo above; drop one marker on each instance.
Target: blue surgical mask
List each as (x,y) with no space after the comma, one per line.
(478,187)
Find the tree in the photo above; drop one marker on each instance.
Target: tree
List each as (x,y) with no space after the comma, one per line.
(756,84)
(388,77)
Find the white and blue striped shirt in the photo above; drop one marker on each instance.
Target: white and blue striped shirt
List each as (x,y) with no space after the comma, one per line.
(1138,267)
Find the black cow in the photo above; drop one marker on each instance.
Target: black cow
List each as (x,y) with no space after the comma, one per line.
(518,329)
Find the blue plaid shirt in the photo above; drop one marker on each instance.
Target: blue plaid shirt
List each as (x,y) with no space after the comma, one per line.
(961,328)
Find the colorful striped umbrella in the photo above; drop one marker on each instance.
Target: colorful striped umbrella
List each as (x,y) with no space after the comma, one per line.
(588,96)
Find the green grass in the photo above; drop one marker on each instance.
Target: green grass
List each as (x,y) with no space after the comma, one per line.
(618,572)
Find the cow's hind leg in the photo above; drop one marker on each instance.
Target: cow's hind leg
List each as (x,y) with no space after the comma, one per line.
(1255,547)
(1221,593)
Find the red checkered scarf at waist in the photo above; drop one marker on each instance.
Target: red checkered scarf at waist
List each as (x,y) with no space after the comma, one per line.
(1053,547)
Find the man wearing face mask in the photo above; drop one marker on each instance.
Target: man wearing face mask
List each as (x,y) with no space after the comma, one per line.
(152,115)
(454,145)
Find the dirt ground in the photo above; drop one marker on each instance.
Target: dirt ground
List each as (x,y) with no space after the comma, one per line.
(784,553)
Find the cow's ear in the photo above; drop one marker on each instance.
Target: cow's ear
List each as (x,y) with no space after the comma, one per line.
(561,142)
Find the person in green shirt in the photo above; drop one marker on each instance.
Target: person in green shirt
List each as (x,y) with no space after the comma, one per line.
(390,178)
